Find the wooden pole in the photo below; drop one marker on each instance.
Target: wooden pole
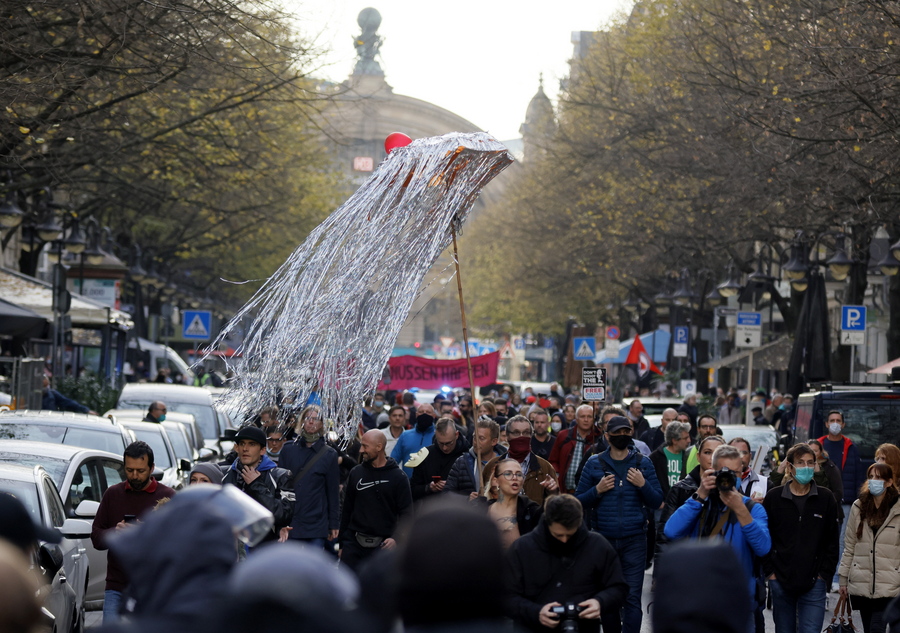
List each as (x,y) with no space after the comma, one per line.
(465,330)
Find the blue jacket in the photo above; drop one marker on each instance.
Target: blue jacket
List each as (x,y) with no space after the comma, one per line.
(853,473)
(316,497)
(747,540)
(410,442)
(619,512)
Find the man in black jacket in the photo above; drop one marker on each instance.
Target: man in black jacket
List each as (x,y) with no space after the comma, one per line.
(561,563)
(316,485)
(430,476)
(377,496)
(258,476)
(804,529)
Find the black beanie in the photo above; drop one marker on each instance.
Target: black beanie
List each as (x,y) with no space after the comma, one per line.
(451,553)
(701,587)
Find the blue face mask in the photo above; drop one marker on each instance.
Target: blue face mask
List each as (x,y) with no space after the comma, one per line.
(804,474)
(876,486)
(162,418)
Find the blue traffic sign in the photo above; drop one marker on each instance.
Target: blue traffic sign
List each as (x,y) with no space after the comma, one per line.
(681,334)
(197,325)
(519,343)
(749,318)
(853,318)
(585,347)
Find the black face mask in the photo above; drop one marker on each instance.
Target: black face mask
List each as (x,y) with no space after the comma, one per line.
(620,442)
(558,548)
(423,422)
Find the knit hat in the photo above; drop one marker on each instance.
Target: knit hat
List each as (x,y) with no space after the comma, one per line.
(210,470)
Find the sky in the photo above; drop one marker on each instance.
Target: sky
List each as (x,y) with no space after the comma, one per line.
(480,59)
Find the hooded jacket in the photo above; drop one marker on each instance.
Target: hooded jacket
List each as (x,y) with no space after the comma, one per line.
(618,513)
(804,546)
(374,500)
(870,566)
(174,560)
(268,490)
(463,474)
(437,464)
(316,497)
(540,569)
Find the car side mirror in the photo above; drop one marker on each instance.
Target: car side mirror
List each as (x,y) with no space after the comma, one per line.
(184,465)
(50,557)
(206,454)
(87,509)
(76,528)
(157,473)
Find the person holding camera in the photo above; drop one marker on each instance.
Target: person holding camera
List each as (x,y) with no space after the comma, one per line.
(718,509)
(620,489)
(561,576)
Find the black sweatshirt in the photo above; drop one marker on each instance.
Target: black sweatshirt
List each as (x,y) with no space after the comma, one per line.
(374,500)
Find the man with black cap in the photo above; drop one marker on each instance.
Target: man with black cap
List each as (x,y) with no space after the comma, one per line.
(561,563)
(619,488)
(259,477)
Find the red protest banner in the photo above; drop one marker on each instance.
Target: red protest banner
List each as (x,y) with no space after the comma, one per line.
(428,373)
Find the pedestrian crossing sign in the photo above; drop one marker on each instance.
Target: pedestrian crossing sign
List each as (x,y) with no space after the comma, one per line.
(197,324)
(585,347)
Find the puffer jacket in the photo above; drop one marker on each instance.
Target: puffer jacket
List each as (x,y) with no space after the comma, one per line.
(462,477)
(870,566)
(620,512)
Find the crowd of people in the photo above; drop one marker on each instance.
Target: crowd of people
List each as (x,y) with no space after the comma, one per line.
(542,511)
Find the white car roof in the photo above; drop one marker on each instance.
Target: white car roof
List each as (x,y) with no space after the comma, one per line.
(16,473)
(149,391)
(54,451)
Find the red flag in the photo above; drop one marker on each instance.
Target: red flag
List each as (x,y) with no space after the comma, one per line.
(638,355)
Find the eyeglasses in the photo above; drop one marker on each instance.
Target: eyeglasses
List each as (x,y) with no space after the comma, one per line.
(447,444)
(525,433)
(273,440)
(511,474)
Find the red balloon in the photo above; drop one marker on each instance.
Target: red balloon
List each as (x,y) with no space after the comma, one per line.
(395,140)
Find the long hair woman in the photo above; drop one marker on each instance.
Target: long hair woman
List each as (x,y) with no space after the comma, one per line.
(870,567)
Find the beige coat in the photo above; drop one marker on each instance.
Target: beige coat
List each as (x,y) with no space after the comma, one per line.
(870,567)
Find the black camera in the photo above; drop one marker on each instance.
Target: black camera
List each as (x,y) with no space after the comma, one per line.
(568,616)
(726,480)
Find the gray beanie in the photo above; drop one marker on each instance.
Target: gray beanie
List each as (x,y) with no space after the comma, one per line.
(210,470)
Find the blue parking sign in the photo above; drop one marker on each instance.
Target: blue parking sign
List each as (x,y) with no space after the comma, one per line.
(853,318)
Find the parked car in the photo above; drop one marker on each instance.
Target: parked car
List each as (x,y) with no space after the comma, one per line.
(175,471)
(81,476)
(186,420)
(65,566)
(184,399)
(63,427)
(180,441)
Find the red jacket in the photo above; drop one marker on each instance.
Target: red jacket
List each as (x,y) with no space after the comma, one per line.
(561,455)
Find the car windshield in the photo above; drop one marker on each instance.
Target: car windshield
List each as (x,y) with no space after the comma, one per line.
(26,493)
(157,443)
(55,467)
(179,444)
(110,441)
(204,414)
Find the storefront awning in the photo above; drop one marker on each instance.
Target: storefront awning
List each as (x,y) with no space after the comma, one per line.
(37,296)
(18,321)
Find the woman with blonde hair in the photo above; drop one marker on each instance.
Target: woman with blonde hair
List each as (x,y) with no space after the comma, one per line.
(514,513)
(868,572)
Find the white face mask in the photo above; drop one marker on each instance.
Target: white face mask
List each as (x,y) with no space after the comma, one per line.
(835,428)
(556,426)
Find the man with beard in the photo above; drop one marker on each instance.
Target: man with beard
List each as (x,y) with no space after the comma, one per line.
(542,441)
(377,497)
(540,480)
(416,438)
(314,485)
(430,476)
(706,426)
(122,504)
